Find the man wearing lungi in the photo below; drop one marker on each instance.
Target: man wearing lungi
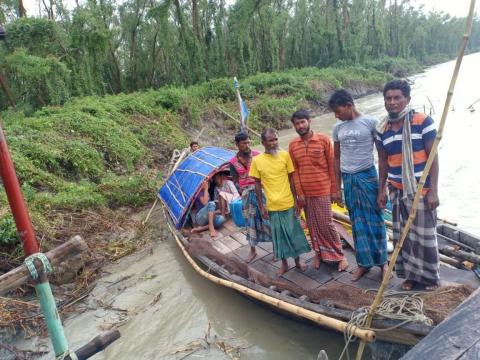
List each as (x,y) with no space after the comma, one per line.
(353,139)
(258,229)
(316,189)
(273,171)
(405,139)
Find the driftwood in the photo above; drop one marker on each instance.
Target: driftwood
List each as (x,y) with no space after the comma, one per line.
(21,275)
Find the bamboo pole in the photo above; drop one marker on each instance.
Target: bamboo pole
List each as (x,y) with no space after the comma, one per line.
(431,157)
(233,118)
(338,325)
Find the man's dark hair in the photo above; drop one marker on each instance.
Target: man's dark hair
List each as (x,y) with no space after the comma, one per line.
(241,136)
(340,98)
(300,114)
(266,132)
(194,143)
(397,84)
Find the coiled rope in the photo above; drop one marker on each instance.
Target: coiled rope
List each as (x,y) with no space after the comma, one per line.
(403,306)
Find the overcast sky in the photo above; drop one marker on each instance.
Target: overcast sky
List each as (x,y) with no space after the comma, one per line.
(457,8)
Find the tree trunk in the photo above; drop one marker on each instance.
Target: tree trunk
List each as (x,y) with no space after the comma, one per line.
(6,90)
(21,9)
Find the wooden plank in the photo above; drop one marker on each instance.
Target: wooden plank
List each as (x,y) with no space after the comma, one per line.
(362,283)
(318,275)
(229,242)
(278,263)
(473,353)
(300,279)
(455,336)
(244,252)
(267,246)
(20,275)
(265,268)
(240,237)
(220,247)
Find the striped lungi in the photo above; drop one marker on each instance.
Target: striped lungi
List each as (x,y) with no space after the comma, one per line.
(368,226)
(324,236)
(418,260)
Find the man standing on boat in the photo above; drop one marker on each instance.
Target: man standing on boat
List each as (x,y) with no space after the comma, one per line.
(316,189)
(273,170)
(405,139)
(353,139)
(258,229)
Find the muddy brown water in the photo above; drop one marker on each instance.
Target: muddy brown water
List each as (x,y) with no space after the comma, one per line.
(174,326)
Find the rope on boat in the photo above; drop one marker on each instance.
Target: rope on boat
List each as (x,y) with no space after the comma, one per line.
(406,308)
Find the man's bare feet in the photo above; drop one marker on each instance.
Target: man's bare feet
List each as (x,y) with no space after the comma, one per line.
(300,265)
(431,287)
(407,285)
(316,262)
(251,256)
(283,268)
(342,265)
(359,273)
(196,230)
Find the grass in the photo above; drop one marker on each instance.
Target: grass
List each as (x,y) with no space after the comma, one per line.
(105,152)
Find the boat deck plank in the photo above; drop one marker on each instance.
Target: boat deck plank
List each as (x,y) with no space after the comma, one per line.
(232,241)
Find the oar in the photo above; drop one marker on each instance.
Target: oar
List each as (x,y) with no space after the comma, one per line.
(431,157)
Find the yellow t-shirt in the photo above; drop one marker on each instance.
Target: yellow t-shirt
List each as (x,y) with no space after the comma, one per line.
(273,174)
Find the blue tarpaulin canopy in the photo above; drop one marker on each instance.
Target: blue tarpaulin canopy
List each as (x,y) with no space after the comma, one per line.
(181,187)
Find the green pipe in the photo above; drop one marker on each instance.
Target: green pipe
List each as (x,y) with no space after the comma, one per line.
(54,324)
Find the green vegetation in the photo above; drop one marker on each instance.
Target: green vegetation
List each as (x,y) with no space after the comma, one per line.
(97,152)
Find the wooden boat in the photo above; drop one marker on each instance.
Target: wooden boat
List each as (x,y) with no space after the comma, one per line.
(309,295)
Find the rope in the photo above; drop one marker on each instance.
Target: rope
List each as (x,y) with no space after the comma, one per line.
(406,308)
(29,263)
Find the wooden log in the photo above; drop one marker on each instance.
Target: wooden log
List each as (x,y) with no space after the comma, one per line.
(450,251)
(21,275)
(96,345)
(453,262)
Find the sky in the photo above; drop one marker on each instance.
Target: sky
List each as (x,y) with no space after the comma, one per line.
(457,8)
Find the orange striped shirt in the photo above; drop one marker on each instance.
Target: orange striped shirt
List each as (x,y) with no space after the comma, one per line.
(313,161)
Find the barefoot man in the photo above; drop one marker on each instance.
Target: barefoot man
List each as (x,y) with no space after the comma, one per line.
(273,171)
(316,189)
(204,214)
(258,229)
(405,139)
(353,139)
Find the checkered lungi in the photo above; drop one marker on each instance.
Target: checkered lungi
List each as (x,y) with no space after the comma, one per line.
(418,260)
(325,239)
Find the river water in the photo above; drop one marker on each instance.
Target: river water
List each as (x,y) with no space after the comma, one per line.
(189,304)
